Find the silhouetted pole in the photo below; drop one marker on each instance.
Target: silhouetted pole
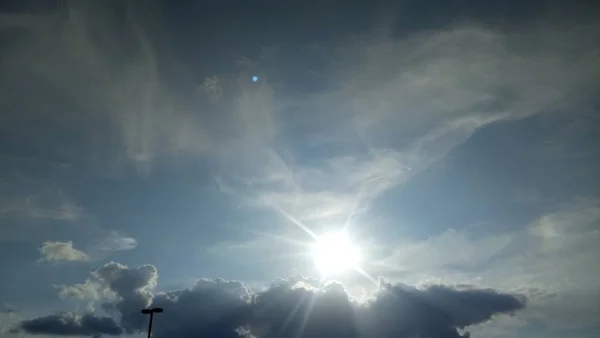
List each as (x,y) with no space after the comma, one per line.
(150,324)
(151,312)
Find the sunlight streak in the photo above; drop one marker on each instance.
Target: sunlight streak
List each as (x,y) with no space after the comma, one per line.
(292,314)
(356,204)
(366,275)
(307,312)
(297,222)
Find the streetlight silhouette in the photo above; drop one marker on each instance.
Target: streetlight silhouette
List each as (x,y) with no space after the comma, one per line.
(151,312)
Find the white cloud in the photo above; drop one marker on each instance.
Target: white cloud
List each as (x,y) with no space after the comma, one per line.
(90,290)
(61,251)
(116,242)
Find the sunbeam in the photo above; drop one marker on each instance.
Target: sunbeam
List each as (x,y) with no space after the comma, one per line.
(296,222)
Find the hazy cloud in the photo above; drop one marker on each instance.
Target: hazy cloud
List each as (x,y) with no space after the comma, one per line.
(61,251)
(9,317)
(48,203)
(549,260)
(212,88)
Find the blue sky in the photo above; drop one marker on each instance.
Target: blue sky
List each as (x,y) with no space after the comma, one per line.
(141,165)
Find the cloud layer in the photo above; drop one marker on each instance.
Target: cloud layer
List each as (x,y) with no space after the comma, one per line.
(300,307)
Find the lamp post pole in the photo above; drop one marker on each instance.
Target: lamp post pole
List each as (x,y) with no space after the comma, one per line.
(151,312)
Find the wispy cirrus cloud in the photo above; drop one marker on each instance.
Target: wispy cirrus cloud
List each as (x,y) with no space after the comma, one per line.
(30,207)
(427,90)
(34,199)
(27,202)
(395,106)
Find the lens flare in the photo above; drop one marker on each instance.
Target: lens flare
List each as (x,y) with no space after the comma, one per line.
(334,253)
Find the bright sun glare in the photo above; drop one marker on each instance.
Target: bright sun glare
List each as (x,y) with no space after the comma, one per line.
(334,253)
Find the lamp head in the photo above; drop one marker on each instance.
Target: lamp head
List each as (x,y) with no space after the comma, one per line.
(154,310)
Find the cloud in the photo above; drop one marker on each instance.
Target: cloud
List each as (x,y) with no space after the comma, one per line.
(212,87)
(395,106)
(449,249)
(116,242)
(47,203)
(379,93)
(210,308)
(129,289)
(9,317)
(61,251)
(27,200)
(390,106)
(7,308)
(70,324)
(302,307)
(548,260)
(573,220)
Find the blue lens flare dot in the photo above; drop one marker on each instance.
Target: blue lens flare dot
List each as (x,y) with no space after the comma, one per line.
(254,78)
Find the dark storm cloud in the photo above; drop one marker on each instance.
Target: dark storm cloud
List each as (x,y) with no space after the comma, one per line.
(70,324)
(298,307)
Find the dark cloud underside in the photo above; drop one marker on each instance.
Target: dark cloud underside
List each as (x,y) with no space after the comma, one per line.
(294,308)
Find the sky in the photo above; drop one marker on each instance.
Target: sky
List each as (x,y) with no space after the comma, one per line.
(191,156)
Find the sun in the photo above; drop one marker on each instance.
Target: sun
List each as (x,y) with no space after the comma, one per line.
(334,253)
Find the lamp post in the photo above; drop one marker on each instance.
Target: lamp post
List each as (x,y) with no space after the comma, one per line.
(151,312)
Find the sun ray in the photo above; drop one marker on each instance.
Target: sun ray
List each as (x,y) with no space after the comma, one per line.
(292,314)
(294,220)
(366,275)
(356,204)
(271,235)
(307,311)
